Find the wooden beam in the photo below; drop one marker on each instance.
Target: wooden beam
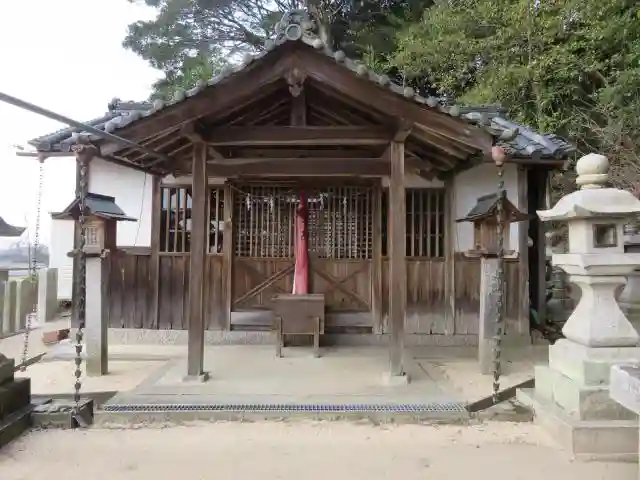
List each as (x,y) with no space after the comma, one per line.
(324,71)
(195,354)
(292,152)
(230,162)
(297,136)
(397,263)
(302,167)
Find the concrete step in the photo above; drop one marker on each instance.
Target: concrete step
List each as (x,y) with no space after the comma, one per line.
(600,440)
(14,425)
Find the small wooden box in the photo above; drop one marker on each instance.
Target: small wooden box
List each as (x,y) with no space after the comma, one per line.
(299,315)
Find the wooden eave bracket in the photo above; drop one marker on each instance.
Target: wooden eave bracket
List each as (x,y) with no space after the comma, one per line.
(193,131)
(403,130)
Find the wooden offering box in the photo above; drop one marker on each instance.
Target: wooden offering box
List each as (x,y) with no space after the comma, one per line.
(299,315)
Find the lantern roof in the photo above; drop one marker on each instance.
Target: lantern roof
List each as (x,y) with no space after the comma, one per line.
(101,206)
(487,207)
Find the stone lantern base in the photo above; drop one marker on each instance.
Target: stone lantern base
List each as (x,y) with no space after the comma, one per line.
(15,402)
(571,400)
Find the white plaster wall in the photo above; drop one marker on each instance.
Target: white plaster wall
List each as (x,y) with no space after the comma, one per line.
(60,244)
(133,193)
(474,183)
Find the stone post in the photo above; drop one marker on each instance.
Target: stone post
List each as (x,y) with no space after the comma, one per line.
(26,300)
(572,392)
(488,313)
(96,328)
(9,308)
(47,294)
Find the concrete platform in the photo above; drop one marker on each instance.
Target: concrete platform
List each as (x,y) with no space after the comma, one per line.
(603,440)
(251,382)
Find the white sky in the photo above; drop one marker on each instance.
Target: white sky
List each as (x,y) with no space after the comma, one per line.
(66,56)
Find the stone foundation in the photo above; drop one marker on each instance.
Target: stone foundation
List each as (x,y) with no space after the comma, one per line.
(15,402)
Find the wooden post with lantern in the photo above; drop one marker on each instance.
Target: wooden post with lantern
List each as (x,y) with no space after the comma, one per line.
(102,215)
(491,218)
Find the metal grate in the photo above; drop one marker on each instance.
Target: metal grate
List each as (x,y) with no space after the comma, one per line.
(285,408)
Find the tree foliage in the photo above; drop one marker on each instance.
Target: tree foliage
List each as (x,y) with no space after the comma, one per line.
(565,66)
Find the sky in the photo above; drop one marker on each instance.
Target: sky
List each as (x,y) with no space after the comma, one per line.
(65,56)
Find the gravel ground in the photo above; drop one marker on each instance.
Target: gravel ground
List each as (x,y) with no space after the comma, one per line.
(300,450)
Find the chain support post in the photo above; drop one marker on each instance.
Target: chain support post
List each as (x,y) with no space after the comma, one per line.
(499,157)
(84,154)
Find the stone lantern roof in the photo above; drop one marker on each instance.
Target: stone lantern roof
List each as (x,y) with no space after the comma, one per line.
(593,199)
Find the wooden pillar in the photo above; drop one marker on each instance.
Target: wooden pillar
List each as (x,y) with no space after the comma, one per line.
(449,257)
(376,263)
(227,259)
(195,356)
(397,261)
(154,266)
(541,246)
(523,258)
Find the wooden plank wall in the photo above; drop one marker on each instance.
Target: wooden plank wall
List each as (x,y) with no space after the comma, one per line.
(426,295)
(131,292)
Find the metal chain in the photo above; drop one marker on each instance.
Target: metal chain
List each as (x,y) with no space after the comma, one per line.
(497,339)
(33,273)
(81,285)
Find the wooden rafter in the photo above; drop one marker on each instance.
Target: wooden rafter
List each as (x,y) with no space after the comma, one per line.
(232,95)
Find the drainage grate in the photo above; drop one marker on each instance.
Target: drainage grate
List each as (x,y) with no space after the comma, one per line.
(284,408)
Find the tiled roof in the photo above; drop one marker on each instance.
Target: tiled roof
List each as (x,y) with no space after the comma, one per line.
(7,230)
(518,140)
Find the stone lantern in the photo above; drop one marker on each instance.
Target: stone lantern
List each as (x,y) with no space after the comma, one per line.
(596,260)
(572,392)
(101,218)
